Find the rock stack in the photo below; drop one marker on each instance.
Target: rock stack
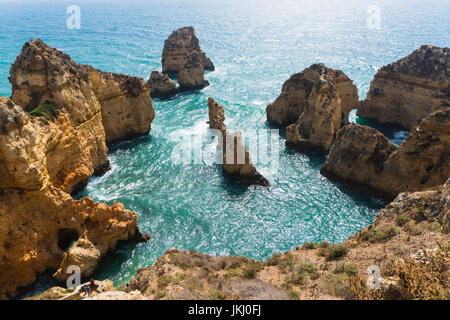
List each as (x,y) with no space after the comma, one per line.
(237,163)
(182,56)
(178,46)
(314,105)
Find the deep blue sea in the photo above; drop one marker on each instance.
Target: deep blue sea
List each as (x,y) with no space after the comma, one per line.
(255,45)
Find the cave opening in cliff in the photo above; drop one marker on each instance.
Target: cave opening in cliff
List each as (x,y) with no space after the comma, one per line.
(66,238)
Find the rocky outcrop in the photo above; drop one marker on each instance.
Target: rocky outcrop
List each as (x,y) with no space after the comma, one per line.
(406,91)
(296,92)
(161,86)
(177,48)
(52,140)
(191,77)
(314,104)
(37,227)
(237,162)
(362,157)
(126,105)
(121,103)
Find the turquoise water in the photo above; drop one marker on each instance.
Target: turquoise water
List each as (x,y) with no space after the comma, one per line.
(256,46)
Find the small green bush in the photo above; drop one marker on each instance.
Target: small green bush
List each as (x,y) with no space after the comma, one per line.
(297,278)
(349,269)
(309,246)
(275,260)
(46,110)
(251,270)
(310,269)
(294,295)
(334,252)
(401,220)
(323,244)
(375,235)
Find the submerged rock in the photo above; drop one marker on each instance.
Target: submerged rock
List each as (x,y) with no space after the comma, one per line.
(191,77)
(406,91)
(237,162)
(314,104)
(362,157)
(53,135)
(161,86)
(177,48)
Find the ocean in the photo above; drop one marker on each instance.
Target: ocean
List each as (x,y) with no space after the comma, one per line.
(255,46)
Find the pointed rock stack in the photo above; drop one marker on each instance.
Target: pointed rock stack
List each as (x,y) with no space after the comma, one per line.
(237,163)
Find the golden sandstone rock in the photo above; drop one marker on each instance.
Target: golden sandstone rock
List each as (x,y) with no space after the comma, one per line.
(191,77)
(183,56)
(364,158)
(161,86)
(237,162)
(314,105)
(406,91)
(178,46)
(53,135)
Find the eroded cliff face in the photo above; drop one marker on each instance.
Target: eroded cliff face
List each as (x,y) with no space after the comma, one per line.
(161,86)
(237,162)
(41,73)
(52,140)
(314,104)
(406,91)
(362,157)
(178,46)
(36,227)
(126,106)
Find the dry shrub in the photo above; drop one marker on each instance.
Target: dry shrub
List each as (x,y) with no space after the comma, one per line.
(424,278)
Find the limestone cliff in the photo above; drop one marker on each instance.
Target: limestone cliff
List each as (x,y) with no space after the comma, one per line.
(41,73)
(52,140)
(237,162)
(406,91)
(178,46)
(363,158)
(94,106)
(161,86)
(191,77)
(314,104)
